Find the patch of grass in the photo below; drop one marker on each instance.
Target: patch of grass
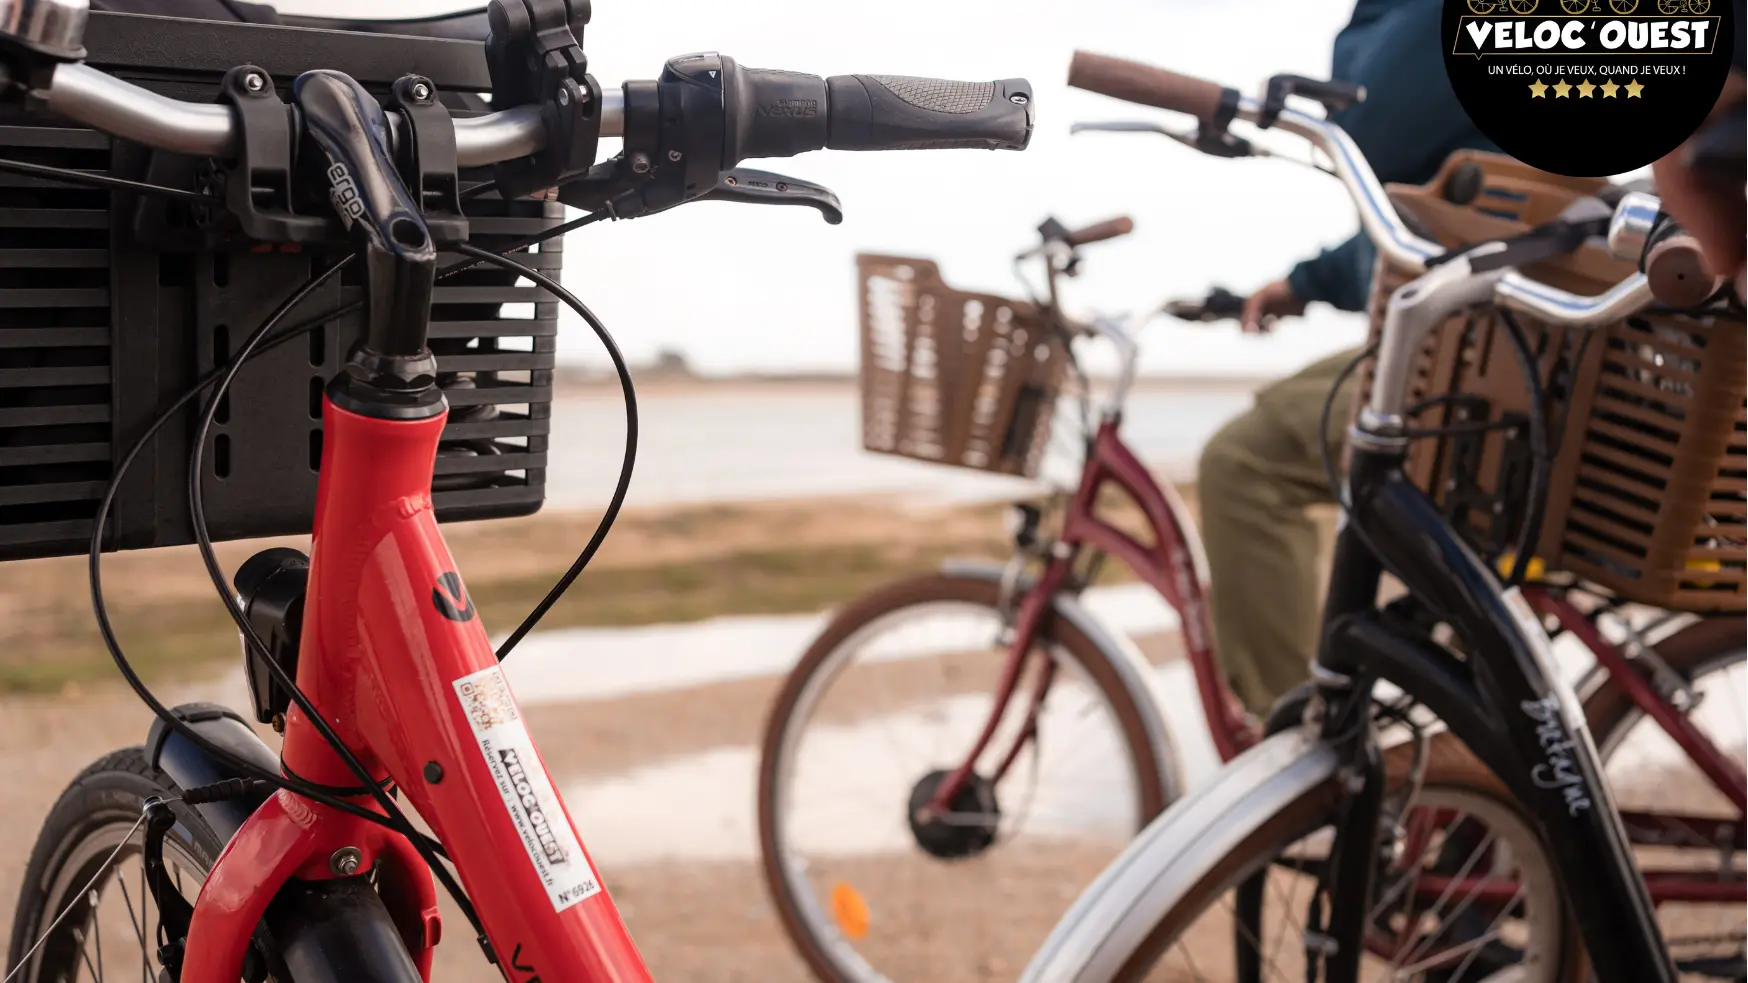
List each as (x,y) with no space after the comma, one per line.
(185,638)
(672,565)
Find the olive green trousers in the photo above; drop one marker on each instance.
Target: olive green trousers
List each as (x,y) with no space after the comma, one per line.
(1258,476)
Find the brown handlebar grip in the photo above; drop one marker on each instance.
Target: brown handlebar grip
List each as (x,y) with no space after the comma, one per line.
(1678,273)
(1110,228)
(1132,81)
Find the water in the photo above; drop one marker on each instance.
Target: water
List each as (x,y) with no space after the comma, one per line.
(570,664)
(795,441)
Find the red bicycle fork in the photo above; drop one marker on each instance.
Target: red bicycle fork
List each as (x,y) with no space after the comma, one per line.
(395,656)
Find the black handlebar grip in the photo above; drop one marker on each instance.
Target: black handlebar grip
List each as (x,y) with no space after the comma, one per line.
(898,112)
(772,113)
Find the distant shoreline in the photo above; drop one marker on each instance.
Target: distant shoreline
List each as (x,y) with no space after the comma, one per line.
(653,378)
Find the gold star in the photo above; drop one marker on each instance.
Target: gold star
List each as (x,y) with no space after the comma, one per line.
(1562,90)
(1634,89)
(1609,89)
(1585,89)
(1538,90)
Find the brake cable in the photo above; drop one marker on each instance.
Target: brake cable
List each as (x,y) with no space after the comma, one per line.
(429,848)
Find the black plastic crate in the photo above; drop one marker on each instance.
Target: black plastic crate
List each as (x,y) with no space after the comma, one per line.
(98,332)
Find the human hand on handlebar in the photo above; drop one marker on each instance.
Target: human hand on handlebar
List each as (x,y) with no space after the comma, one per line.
(1703,201)
(1219,305)
(1268,304)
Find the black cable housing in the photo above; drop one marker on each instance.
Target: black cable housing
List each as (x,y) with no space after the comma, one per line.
(263,340)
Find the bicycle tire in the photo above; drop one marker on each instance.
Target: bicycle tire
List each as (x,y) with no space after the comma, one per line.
(1451,773)
(105,800)
(1057,632)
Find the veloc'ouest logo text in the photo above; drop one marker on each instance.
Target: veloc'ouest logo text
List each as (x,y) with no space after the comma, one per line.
(1588,88)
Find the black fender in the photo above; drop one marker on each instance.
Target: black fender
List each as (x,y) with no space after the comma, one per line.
(314,931)
(190,767)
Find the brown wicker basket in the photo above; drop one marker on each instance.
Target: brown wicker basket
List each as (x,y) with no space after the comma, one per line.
(951,377)
(1646,416)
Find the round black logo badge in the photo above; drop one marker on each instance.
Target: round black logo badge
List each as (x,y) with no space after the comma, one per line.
(1588,88)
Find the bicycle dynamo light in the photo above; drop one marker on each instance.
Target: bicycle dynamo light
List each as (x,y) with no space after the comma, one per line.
(55,28)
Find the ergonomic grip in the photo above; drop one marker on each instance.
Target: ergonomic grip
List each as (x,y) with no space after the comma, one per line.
(771,113)
(1110,228)
(1677,272)
(1132,81)
(898,112)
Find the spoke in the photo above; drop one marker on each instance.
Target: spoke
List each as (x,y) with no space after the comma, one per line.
(97,931)
(1396,890)
(1191,962)
(24,960)
(1461,907)
(1281,933)
(145,923)
(1487,936)
(1473,947)
(1226,901)
(902,752)
(139,933)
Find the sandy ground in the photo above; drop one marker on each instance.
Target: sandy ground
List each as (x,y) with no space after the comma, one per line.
(694,919)
(696,915)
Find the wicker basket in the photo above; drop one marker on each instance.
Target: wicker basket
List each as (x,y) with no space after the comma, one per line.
(1646,416)
(951,377)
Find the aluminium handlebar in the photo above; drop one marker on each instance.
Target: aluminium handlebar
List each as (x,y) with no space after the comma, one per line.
(767,114)
(130,112)
(1378,217)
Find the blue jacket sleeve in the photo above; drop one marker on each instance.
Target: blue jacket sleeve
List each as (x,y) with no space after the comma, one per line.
(1408,124)
(1340,277)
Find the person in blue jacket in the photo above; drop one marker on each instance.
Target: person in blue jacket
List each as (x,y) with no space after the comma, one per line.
(1262,470)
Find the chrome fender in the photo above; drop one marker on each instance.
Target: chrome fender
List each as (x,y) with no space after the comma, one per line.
(1131,666)
(1117,912)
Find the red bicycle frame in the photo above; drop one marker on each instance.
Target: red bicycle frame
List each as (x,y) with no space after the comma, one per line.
(395,656)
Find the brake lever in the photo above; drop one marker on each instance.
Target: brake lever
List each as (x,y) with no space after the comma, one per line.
(1220,305)
(750,187)
(1218,145)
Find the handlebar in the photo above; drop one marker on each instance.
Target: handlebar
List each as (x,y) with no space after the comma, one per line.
(1378,217)
(1220,305)
(1131,81)
(1110,228)
(767,113)
(1677,272)
(121,109)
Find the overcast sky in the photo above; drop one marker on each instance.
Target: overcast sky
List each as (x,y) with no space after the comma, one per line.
(738,287)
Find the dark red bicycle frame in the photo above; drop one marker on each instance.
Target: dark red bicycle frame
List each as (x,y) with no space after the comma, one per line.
(381,654)
(1173,566)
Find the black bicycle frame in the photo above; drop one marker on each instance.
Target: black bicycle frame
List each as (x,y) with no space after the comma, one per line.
(1499,700)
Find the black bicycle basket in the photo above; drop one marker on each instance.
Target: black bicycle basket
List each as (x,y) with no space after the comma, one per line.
(102,323)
